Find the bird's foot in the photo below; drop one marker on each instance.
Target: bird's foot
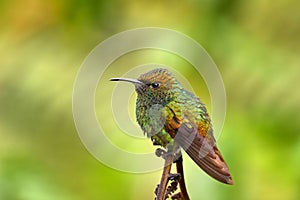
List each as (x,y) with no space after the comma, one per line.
(163,153)
(176,156)
(159,152)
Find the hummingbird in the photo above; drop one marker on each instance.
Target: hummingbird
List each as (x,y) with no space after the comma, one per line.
(167,113)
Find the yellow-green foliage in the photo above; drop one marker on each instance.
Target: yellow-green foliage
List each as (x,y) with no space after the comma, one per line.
(255,44)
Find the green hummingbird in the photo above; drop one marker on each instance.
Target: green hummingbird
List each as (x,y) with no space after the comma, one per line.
(166,112)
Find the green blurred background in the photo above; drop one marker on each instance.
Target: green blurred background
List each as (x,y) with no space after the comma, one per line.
(255,44)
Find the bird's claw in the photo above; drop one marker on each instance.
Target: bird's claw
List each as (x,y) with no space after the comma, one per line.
(163,153)
(160,152)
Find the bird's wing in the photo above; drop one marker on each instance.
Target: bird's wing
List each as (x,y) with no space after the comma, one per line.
(203,151)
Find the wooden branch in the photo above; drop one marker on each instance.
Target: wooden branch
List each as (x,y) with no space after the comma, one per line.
(161,192)
(182,186)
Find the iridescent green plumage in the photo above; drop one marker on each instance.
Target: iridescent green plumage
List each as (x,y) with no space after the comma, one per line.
(171,100)
(167,112)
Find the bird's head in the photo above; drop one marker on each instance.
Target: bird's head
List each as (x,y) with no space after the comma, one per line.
(158,86)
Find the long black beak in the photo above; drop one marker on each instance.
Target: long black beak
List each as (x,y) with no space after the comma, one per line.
(134,81)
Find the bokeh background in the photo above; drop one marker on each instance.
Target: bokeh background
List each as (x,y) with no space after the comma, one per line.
(256,45)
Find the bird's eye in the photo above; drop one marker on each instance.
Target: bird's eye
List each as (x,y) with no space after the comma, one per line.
(155,85)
